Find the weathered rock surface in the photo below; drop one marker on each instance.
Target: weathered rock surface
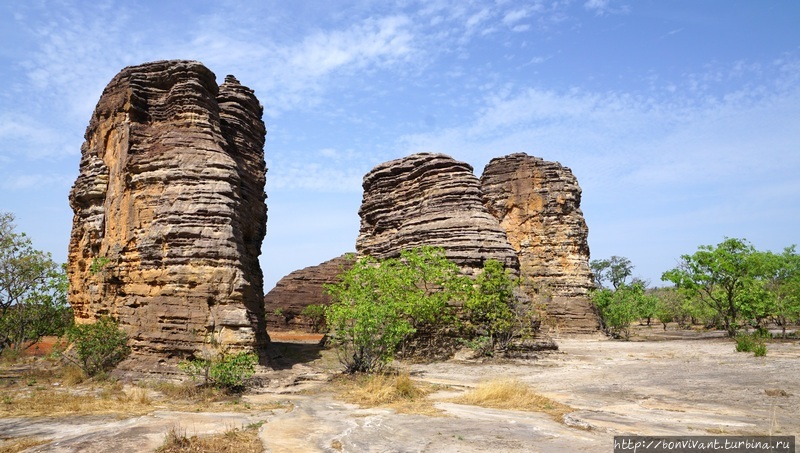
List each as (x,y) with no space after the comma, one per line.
(169,211)
(434,200)
(301,288)
(538,205)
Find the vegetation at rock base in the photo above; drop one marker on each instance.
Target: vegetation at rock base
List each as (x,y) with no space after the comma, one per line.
(98,347)
(315,316)
(222,370)
(33,290)
(216,366)
(379,306)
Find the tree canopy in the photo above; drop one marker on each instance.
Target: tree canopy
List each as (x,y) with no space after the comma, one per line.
(33,290)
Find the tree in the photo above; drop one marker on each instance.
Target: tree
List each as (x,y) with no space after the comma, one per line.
(32,290)
(376,306)
(724,277)
(99,346)
(783,282)
(620,307)
(489,305)
(614,271)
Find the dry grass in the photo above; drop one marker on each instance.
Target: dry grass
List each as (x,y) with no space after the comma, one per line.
(398,392)
(44,401)
(67,394)
(243,440)
(512,394)
(21,444)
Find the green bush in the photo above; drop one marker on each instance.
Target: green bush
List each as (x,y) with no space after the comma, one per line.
(226,371)
(315,314)
(489,308)
(378,306)
(99,346)
(754,343)
(744,342)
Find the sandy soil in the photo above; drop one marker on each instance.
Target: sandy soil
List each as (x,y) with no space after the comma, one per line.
(686,386)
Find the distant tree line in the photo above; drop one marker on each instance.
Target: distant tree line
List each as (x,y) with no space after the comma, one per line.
(731,286)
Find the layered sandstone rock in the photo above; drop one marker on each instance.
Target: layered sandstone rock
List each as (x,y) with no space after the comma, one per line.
(169,212)
(285,303)
(538,205)
(434,200)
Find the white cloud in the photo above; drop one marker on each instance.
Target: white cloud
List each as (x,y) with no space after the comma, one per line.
(598,6)
(620,140)
(24,137)
(373,42)
(315,177)
(34,181)
(512,17)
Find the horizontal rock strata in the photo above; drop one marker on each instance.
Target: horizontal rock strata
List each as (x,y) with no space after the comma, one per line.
(169,212)
(538,205)
(285,303)
(434,200)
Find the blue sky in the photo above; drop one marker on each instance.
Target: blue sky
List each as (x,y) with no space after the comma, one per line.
(680,119)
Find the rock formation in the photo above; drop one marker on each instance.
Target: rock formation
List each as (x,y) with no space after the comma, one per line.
(301,288)
(429,199)
(169,212)
(538,205)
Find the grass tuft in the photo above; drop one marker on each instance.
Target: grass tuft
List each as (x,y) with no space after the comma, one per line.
(512,394)
(398,392)
(18,444)
(233,440)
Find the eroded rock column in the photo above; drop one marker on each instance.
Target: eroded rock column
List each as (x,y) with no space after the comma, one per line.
(434,200)
(538,205)
(169,212)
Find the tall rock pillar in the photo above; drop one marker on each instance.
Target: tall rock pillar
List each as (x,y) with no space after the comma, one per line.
(169,212)
(538,205)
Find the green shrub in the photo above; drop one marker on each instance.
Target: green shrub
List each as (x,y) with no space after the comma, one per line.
(99,346)
(489,308)
(744,343)
(315,314)
(226,371)
(378,306)
(754,343)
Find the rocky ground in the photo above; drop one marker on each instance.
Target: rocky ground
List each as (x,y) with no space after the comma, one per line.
(690,384)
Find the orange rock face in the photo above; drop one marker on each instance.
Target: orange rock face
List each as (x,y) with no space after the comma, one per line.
(169,212)
(538,205)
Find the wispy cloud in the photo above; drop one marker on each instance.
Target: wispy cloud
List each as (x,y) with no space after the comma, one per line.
(34,181)
(22,138)
(624,139)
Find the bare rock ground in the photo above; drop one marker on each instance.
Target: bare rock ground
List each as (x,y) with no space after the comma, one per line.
(690,386)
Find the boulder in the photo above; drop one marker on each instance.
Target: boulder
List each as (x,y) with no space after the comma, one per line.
(169,213)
